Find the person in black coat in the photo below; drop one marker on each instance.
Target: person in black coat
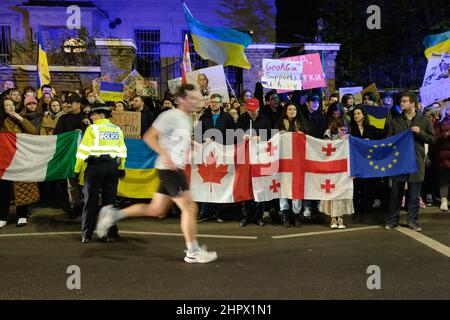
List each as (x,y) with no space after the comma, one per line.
(213,125)
(364,189)
(261,128)
(147,115)
(214,118)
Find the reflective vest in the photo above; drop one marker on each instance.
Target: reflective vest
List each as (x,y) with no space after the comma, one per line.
(101,138)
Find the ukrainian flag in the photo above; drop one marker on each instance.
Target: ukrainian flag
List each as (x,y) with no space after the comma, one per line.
(42,66)
(141,178)
(437,43)
(377,115)
(222,45)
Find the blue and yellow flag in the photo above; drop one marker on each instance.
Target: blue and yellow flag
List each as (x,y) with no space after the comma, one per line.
(141,178)
(42,65)
(222,45)
(383,158)
(377,115)
(437,43)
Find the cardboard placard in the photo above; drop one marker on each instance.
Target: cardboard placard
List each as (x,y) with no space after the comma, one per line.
(111,91)
(129,122)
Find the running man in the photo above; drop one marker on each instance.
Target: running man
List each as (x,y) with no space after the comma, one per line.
(170,136)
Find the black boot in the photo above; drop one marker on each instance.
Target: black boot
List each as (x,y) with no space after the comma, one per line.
(287,218)
(244,211)
(297,223)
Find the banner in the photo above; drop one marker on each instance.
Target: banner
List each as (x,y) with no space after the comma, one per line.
(129,122)
(111,91)
(279,74)
(313,75)
(147,88)
(208,81)
(436,82)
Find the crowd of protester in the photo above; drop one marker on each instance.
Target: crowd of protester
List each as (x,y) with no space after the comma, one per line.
(302,111)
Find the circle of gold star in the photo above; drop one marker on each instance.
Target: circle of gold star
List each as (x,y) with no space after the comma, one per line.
(390,164)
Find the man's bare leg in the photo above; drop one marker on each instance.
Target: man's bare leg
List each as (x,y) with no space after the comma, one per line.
(158,207)
(189,211)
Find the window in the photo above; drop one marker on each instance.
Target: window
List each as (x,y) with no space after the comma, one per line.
(5,44)
(148,56)
(234,77)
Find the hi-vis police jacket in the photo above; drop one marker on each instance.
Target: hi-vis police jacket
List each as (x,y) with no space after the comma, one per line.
(101,138)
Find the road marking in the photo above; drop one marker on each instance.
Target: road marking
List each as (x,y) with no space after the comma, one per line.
(433,244)
(323,232)
(127,232)
(181,235)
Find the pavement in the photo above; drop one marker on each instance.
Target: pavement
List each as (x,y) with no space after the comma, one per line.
(257,263)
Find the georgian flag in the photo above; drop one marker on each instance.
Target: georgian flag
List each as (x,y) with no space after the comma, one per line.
(306,168)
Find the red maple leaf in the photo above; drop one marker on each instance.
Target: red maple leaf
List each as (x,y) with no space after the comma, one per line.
(210,172)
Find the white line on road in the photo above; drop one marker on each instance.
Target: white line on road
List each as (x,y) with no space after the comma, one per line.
(433,244)
(323,232)
(127,232)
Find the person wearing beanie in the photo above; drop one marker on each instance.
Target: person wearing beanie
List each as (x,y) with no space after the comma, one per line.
(31,112)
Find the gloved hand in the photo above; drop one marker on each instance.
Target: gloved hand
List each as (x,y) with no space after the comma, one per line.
(121,174)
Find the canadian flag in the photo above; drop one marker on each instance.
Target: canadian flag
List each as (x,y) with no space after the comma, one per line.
(219,173)
(297,166)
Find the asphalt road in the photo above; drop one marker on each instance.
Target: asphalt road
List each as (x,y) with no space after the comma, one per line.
(313,262)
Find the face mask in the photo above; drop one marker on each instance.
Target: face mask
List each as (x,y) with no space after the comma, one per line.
(91,100)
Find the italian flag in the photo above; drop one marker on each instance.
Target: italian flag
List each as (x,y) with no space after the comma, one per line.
(30,158)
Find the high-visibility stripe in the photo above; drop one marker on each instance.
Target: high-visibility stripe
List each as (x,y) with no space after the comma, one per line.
(82,156)
(84,147)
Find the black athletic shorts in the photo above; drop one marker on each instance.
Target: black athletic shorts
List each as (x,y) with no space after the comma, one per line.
(172,182)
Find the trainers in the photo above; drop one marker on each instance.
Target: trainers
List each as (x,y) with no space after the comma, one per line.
(341,223)
(260,222)
(421,203)
(376,203)
(307,213)
(22,222)
(444,204)
(429,200)
(105,220)
(334,224)
(266,216)
(200,256)
(414,226)
(403,202)
(390,226)
(243,223)
(219,219)
(2,223)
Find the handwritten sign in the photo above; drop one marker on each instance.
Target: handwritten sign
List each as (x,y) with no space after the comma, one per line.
(278,74)
(436,82)
(129,122)
(312,74)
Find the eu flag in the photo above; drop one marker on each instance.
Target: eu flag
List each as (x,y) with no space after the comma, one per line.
(380,158)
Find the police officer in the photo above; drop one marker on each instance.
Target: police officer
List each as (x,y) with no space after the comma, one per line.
(102,154)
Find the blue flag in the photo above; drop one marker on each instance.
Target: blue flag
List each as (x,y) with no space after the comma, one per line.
(380,158)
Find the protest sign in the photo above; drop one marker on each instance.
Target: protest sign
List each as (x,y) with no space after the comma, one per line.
(173,85)
(312,75)
(436,82)
(111,91)
(129,84)
(146,88)
(355,91)
(129,122)
(372,88)
(209,81)
(96,84)
(278,74)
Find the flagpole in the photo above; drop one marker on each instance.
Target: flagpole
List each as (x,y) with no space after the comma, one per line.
(228,83)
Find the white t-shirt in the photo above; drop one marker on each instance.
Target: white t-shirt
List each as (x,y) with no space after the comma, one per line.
(175,131)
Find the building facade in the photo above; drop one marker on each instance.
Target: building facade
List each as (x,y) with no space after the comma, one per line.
(86,39)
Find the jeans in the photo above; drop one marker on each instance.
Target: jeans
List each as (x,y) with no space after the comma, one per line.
(296,205)
(398,189)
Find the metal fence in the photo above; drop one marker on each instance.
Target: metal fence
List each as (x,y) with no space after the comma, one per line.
(5,44)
